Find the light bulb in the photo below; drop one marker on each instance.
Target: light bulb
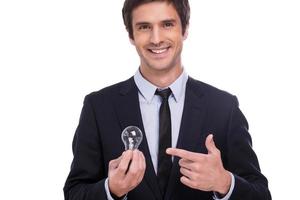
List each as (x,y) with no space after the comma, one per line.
(132,137)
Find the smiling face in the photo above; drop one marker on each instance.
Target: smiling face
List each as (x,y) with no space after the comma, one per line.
(157,36)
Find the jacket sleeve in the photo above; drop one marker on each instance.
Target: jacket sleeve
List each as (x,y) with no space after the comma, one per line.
(250,183)
(86,178)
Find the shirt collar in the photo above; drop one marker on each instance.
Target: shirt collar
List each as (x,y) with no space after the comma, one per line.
(147,89)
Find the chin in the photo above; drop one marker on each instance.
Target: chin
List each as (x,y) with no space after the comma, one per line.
(160,67)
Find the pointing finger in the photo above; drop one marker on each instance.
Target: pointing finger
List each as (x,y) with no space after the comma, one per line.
(188,155)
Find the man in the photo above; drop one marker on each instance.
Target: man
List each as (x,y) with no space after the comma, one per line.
(196,144)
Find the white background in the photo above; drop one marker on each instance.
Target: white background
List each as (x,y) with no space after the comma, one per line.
(53,53)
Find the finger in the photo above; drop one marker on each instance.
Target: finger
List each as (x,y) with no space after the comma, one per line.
(188,164)
(185,163)
(135,173)
(113,164)
(124,163)
(134,166)
(188,155)
(188,182)
(142,161)
(210,144)
(187,173)
(199,185)
(195,167)
(142,166)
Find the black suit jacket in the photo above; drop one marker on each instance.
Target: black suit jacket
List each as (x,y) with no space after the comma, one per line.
(206,110)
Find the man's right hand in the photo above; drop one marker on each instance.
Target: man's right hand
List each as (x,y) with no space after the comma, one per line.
(126,172)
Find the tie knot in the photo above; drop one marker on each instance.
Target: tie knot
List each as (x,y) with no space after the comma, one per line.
(164,93)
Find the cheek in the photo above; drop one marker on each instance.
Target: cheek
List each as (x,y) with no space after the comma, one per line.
(141,39)
(178,38)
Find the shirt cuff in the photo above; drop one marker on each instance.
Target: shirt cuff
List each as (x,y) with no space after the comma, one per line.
(227,196)
(108,195)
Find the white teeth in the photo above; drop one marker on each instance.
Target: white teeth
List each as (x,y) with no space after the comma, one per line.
(158,51)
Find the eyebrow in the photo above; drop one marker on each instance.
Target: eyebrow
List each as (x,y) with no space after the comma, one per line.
(169,21)
(141,23)
(147,23)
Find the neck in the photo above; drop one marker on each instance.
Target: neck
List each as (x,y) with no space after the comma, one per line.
(162,78)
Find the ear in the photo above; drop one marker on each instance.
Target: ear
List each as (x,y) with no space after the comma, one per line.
(132,41)
(186,33)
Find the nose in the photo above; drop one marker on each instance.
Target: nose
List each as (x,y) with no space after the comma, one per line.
(156,36)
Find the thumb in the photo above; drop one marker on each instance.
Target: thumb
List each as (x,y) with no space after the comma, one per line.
(210,144)
(115,163)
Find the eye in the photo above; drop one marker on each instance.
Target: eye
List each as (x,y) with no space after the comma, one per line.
(168,24)
(144,27)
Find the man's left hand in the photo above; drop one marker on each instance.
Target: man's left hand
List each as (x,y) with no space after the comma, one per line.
(203,171)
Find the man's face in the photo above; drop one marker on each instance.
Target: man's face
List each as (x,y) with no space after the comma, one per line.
(157,36)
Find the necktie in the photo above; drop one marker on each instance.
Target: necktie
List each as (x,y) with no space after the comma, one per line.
(164,160)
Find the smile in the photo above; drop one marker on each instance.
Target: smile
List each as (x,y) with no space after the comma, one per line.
(158,51)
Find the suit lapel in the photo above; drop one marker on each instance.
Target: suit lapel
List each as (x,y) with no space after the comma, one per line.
(190,133)
(129,114)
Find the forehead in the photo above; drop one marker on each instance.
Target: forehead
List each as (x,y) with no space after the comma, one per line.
(154,12)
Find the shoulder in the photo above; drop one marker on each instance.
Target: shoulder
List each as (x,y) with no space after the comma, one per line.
(110,92)
(213,95)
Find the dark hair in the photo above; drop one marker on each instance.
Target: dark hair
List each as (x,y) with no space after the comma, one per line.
(182,7)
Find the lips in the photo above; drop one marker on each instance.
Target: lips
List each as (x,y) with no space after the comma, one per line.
(159,53)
